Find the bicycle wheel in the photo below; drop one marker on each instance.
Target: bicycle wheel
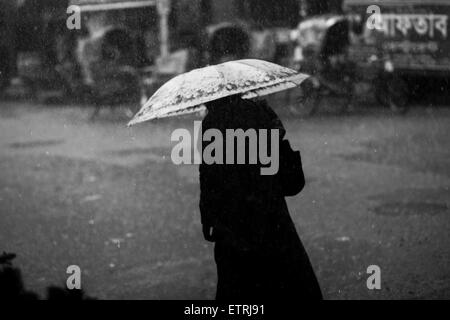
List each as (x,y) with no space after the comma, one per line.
(306,100)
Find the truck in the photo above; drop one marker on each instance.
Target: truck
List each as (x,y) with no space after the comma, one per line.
(413,35)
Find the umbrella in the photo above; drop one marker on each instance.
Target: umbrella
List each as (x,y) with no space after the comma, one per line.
(186,93)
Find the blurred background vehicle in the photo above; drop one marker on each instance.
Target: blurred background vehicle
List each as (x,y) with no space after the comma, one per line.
(148,42)
(322,52)
(165,37)
(405,46)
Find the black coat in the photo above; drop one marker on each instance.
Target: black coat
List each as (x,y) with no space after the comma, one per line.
(258,252)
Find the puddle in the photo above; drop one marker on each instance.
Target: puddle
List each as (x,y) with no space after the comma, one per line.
(139,151)
(35,144)
(412,201)
(394,209)
(8,112)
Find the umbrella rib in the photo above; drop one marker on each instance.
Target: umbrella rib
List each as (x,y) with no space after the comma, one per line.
(221,74)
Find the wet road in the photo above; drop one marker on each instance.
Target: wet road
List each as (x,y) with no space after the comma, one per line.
(108,198)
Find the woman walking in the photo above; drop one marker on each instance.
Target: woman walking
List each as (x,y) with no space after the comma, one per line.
(257,250)
(242,203)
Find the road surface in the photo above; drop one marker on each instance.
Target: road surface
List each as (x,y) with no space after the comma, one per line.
(108,198)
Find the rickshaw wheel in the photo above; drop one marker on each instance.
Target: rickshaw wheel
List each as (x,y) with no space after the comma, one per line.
(398,96)
(306,100)
(393,93)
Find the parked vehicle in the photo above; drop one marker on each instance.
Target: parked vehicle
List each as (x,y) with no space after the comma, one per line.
(110,68)
(408,39)
(322,52)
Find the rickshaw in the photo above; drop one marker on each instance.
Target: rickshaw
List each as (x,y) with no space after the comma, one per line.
(407,39)
(325,51)
(112,56)
(322,52)
(111,72)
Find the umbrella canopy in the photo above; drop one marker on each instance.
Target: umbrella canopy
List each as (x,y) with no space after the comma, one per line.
(187,92)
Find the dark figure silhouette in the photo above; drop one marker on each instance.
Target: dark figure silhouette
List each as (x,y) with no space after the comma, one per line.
(257,250)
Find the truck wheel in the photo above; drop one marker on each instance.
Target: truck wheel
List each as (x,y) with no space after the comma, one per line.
(394,94)
(398,95)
